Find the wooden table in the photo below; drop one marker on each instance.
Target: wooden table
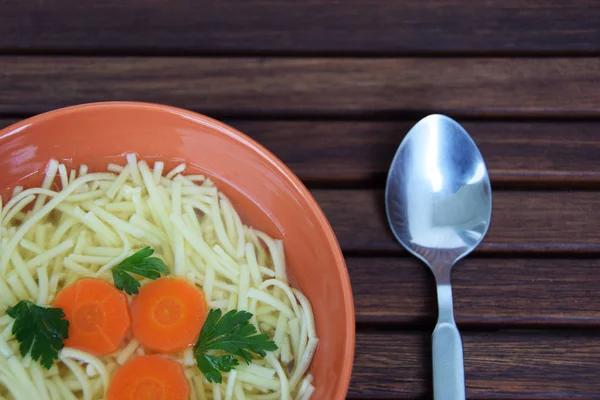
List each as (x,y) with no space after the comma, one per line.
(332,87)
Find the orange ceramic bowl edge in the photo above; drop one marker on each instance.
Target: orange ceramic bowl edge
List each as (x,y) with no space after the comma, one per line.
(26,146)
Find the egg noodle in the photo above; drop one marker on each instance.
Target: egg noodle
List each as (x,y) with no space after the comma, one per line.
(80,224)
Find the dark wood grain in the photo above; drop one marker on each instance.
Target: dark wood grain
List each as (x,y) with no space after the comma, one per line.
(310,86)
(498,365)
(4,122)
(360,152)
(500,292)
(530,154)
(522,221)
(352,26)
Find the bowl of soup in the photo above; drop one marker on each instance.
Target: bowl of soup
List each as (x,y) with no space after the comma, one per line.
(148,251)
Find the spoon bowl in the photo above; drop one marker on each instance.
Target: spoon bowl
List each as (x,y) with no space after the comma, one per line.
(439,205)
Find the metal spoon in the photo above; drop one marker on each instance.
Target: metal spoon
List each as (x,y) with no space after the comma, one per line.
(439,205)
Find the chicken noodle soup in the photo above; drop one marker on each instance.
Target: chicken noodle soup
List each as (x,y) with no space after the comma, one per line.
(78,227)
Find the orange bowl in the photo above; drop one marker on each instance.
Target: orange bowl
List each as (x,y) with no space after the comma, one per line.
(265,192)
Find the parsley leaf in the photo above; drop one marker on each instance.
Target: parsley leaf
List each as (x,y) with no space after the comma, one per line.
(39,330)
(211,365)
(232,336)
(141,264)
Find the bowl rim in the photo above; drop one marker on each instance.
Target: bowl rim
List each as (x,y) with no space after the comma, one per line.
(340,264)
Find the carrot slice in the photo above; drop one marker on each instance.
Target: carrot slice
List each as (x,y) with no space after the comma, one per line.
(149,377)
(98,315)
(167,315)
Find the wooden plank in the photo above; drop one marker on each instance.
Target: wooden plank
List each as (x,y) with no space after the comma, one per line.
(360,152)
(522,221)
(355,26)
(555,154)
(500,292)
(499,365)
(310,86)
(4,122)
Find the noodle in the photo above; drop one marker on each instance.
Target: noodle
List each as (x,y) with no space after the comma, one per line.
(80,224)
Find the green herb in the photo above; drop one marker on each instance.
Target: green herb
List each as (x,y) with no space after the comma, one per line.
(141,264)
(39,330)
(225,338)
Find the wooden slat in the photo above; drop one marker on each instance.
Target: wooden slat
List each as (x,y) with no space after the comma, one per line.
(522,221)
(360,152)
(486,291)
(357,26)
(313,86)
(500,365)
(4,122)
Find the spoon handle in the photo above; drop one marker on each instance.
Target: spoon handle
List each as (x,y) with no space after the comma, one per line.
(448,364)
